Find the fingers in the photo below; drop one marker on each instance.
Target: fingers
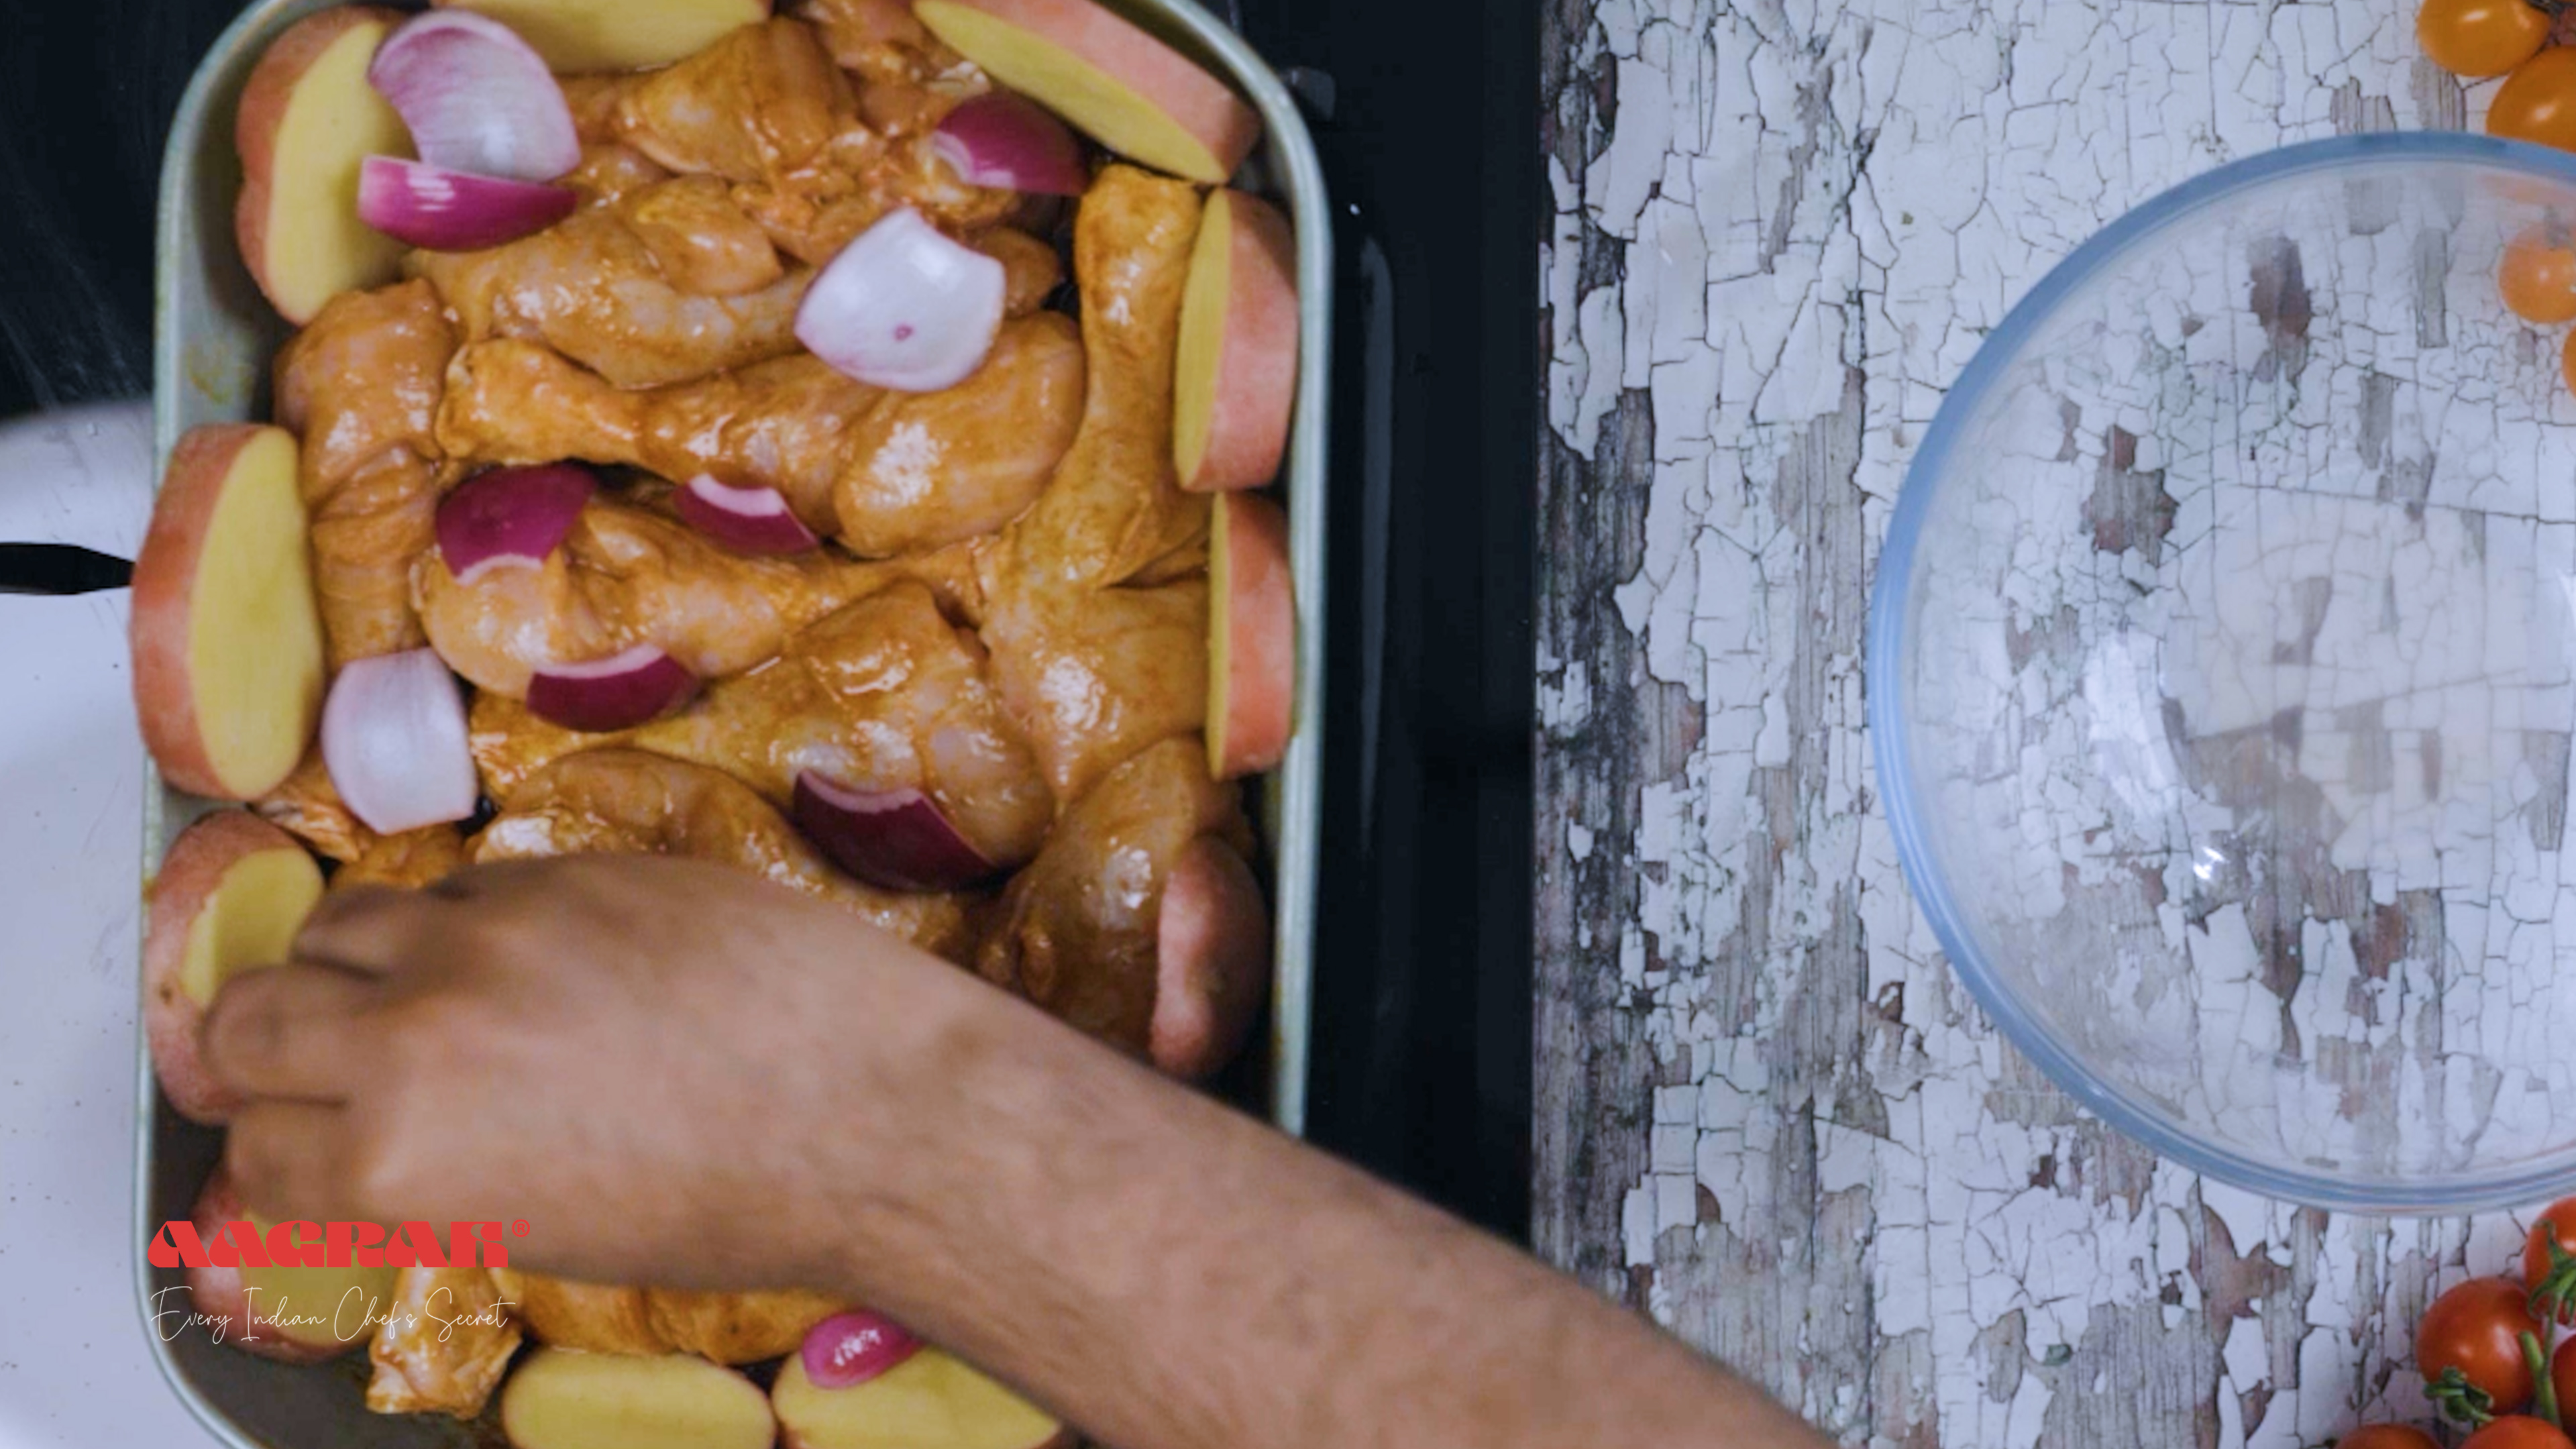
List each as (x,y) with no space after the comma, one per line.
(287,1032)
(290,1160)
(366,930)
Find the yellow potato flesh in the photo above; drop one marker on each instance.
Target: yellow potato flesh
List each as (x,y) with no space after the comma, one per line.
(340,1298)
(317,247)
(250,920)
(565,1399)
(589,35)
(1220,625)
(1202,346)
(1097,103)
(254,636)
(929,1401)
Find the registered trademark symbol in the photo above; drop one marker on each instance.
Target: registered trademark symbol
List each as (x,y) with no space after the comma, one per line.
(519,1229)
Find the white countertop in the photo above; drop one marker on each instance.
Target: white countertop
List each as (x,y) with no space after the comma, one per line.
(75,1362)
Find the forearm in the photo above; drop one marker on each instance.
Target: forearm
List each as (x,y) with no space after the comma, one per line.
(1168,1273)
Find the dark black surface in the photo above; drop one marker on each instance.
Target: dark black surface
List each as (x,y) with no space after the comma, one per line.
(1423,1010)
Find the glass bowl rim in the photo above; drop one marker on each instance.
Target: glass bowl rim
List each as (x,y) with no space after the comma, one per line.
(1884,672)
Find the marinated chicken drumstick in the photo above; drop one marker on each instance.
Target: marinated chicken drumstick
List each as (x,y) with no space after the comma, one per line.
(627,802)
(815,162)
(886,472)
(627,576)
(885,695)
(591,288)
(361,386)
(1139,922)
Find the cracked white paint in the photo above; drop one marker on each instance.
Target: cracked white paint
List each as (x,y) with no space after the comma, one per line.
(1798,191)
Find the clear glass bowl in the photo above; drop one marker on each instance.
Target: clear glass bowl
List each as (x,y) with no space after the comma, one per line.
(2223,670)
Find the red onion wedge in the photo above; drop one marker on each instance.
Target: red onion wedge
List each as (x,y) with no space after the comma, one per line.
(393,738)
(904,307)
(476,97)
(440,210)
(895,840)
(746,520)
(848,1349)
(510,516)
(616,693)
(1011,142)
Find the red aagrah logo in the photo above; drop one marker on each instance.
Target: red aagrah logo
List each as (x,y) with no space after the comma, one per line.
(303,1244)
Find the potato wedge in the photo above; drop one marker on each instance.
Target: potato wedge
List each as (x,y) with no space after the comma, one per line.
(307,119)
(595,35)
(1235,380)
(1252,643)
(929,1401)
(1129,91)
(230,897)
(561,1398)
(227,638)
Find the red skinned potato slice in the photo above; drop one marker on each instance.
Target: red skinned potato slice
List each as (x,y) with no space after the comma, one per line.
(1212,959)
(577,36)
(1235,382)
(929,1401)
(307,121)
(1127,90)
(227,637)
(1252,644)
(230,897)
(565,1399)
(303,1315)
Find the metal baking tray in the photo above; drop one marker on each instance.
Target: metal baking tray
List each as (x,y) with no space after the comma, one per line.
(214,337)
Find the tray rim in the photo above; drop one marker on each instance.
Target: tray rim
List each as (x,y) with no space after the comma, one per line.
(1293,793)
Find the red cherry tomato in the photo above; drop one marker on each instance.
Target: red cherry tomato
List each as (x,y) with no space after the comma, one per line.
(2479,38)
(2551,1275)
(2538,280)
(2517,1431)
(2538,101)
(2469,1347)
(2562,1376)
(2387,1436)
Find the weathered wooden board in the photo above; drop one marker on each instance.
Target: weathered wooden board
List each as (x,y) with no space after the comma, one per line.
(1767,1113)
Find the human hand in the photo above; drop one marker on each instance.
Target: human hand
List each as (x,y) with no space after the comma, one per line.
(675,1073)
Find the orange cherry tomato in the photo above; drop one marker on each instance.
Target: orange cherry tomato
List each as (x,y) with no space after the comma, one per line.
(2469,1347)
(2479,38)
(2538,101)
(2567,362)
(2517,1431)
(2387,1436)
(2538,280)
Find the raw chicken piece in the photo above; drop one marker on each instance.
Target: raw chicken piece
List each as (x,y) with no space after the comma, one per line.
(730,1328)
(1078,932)
(1096,675)
(887,473)
(590,288)
(753,106)
(593,100)
(627,802)
(308,806)
(878,40)
(884,695)
(405,862)
(766,110)
(611,169)
(444,1345)
(701,241)
(1115,510)
(360,386)
(626,576)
